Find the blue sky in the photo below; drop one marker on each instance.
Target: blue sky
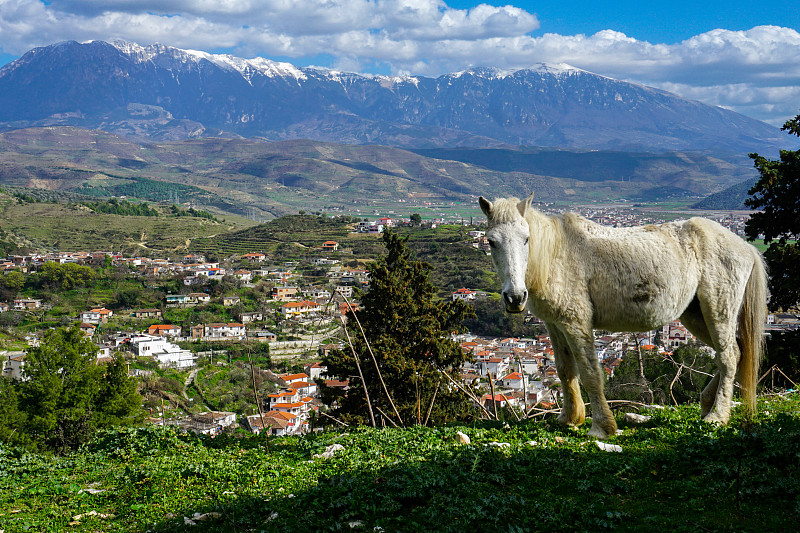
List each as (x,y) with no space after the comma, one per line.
(744,56)
(657,21)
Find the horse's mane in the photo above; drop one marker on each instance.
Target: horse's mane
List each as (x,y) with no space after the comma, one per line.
(546,238)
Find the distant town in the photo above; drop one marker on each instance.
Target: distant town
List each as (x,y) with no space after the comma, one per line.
(251,300)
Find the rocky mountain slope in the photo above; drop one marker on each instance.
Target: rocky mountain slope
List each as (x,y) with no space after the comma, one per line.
(165,93)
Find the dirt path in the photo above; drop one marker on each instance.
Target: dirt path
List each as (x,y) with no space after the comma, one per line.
(188,381)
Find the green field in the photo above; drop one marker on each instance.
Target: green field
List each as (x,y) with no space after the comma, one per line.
(72,227)
(673,473)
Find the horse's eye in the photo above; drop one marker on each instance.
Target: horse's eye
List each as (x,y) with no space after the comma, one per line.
(526,240)
(492,244)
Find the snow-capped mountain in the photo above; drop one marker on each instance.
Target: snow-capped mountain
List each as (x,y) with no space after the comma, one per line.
(162,92)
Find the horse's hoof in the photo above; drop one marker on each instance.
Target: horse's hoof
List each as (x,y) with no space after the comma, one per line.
(599,433)
(715,418)
(566,420)
(604,427)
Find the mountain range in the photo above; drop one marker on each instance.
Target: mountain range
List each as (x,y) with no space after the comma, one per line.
(265,179)
(157,92)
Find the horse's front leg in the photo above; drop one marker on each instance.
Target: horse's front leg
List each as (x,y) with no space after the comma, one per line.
(572,412)
(581,341)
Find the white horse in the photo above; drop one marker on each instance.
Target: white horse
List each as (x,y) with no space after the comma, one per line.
(577,275)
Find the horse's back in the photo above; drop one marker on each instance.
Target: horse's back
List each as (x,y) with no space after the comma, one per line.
(642,277)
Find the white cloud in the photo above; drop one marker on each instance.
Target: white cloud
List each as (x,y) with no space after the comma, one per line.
(754,71)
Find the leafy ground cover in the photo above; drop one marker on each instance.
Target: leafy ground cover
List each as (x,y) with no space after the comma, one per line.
(674,473)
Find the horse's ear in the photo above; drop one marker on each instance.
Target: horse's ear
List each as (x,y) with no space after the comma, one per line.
(486,206)
(525,204)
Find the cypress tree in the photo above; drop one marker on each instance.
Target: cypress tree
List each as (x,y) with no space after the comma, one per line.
(408,329)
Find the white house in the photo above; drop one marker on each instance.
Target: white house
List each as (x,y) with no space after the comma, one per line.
(211,422)
(199,298)
(304,388)
(254,257)
(464,294)
(369,227)
(496,366)
(253,316)
(315,371)
(164,330)
(163,351)
(345,290)
(293,378)
(318,293)
(531,364)
(228,301)
(513,381)
(321,261)
(299,409)
(231,330)
(294,309)
(13,364)
(278,423)
(244,275)
(96,316)
(22,304)
(177,299)
(284,396)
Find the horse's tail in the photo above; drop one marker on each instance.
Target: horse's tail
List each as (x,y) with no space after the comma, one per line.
(752,318)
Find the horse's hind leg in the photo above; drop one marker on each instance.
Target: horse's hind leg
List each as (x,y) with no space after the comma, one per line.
(720,306)
(708,396)
(694,321)
(572,412)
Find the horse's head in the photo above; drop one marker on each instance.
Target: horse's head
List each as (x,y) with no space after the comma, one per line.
(508,237)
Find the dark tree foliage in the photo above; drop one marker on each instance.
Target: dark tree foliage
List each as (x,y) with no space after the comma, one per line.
(191,212)
(12,418)
(10,284)
(408,330)
(66,395)
(783,352)
(127,298)
(65,276)
(777,195)
(491,320)
(659,372)
(117,402)
(123,208)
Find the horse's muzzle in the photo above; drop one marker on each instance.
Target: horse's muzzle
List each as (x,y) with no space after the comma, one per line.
(515,302)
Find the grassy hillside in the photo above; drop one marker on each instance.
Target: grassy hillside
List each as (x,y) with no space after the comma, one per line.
(447,248)
(74,227)
(248,176)
(673,473)
(730,199)
(294,231)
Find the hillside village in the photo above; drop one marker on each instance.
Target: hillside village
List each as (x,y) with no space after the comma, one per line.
(251,299)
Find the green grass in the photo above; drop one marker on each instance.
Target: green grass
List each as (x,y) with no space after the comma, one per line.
(65,228)
(675,473)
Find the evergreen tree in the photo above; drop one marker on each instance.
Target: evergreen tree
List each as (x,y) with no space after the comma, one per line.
(777,194)
(66,394)
(61,382)
(407,328)
(117,402)
(12,419)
